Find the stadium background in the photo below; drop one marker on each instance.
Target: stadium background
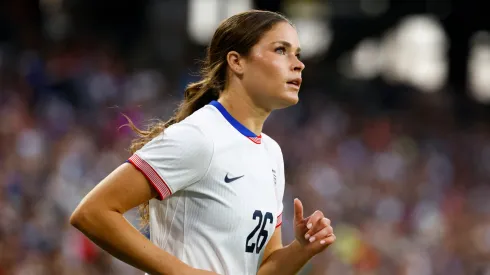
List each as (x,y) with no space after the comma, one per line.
(390,139)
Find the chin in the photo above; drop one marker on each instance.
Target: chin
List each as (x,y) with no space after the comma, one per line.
(287,100)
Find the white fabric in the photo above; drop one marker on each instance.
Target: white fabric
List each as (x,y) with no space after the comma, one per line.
(201,219)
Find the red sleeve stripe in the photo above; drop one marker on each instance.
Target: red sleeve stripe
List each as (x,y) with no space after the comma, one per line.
(151,175)
(279,220)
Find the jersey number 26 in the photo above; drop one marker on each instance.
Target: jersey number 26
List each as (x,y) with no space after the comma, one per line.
(258,243)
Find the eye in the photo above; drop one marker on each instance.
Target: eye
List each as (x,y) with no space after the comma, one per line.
(298,56)
(280,50)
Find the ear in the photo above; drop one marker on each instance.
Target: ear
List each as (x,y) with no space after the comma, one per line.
(235,62)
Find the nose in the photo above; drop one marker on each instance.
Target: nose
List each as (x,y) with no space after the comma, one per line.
(298,66)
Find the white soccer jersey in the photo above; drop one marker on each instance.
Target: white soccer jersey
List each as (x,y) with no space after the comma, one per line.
(220,191)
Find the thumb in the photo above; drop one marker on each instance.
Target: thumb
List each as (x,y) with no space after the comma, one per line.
(298,210)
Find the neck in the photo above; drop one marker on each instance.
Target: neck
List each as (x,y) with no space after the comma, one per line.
(244,111)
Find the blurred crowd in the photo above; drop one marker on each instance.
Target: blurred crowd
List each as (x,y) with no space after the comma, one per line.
(406,186)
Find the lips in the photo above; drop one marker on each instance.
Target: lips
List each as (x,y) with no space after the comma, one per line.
(296,82)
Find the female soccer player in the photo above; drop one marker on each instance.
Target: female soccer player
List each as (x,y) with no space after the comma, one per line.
(213,180)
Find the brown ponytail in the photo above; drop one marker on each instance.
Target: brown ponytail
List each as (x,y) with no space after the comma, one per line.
(238,33)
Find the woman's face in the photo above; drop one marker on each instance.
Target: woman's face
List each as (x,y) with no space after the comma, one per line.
(272,74)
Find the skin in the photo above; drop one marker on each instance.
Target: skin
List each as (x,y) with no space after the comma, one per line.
(257,84)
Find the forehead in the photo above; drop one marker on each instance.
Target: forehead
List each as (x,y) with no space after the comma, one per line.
(282,31)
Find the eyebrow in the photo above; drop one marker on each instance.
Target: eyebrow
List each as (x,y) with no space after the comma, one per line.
(286,44)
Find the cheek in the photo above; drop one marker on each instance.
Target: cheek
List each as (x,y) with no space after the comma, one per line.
(269,70)
(266,74)
(274,66)
(277,65)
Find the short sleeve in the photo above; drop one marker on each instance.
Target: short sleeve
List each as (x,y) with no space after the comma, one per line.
(280,185)
(176,159)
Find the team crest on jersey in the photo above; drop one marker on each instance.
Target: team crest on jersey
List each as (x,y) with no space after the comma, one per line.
(274,176)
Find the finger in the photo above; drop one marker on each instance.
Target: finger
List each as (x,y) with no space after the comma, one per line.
(328,240)
(314,224)
(298,210)
(322,234)
(324,243)
(320,245)
(321,223)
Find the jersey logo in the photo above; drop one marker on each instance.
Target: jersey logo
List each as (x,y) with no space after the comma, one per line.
(228,180)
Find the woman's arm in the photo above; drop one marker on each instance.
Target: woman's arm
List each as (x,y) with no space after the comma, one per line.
(100,217)
(282,260)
